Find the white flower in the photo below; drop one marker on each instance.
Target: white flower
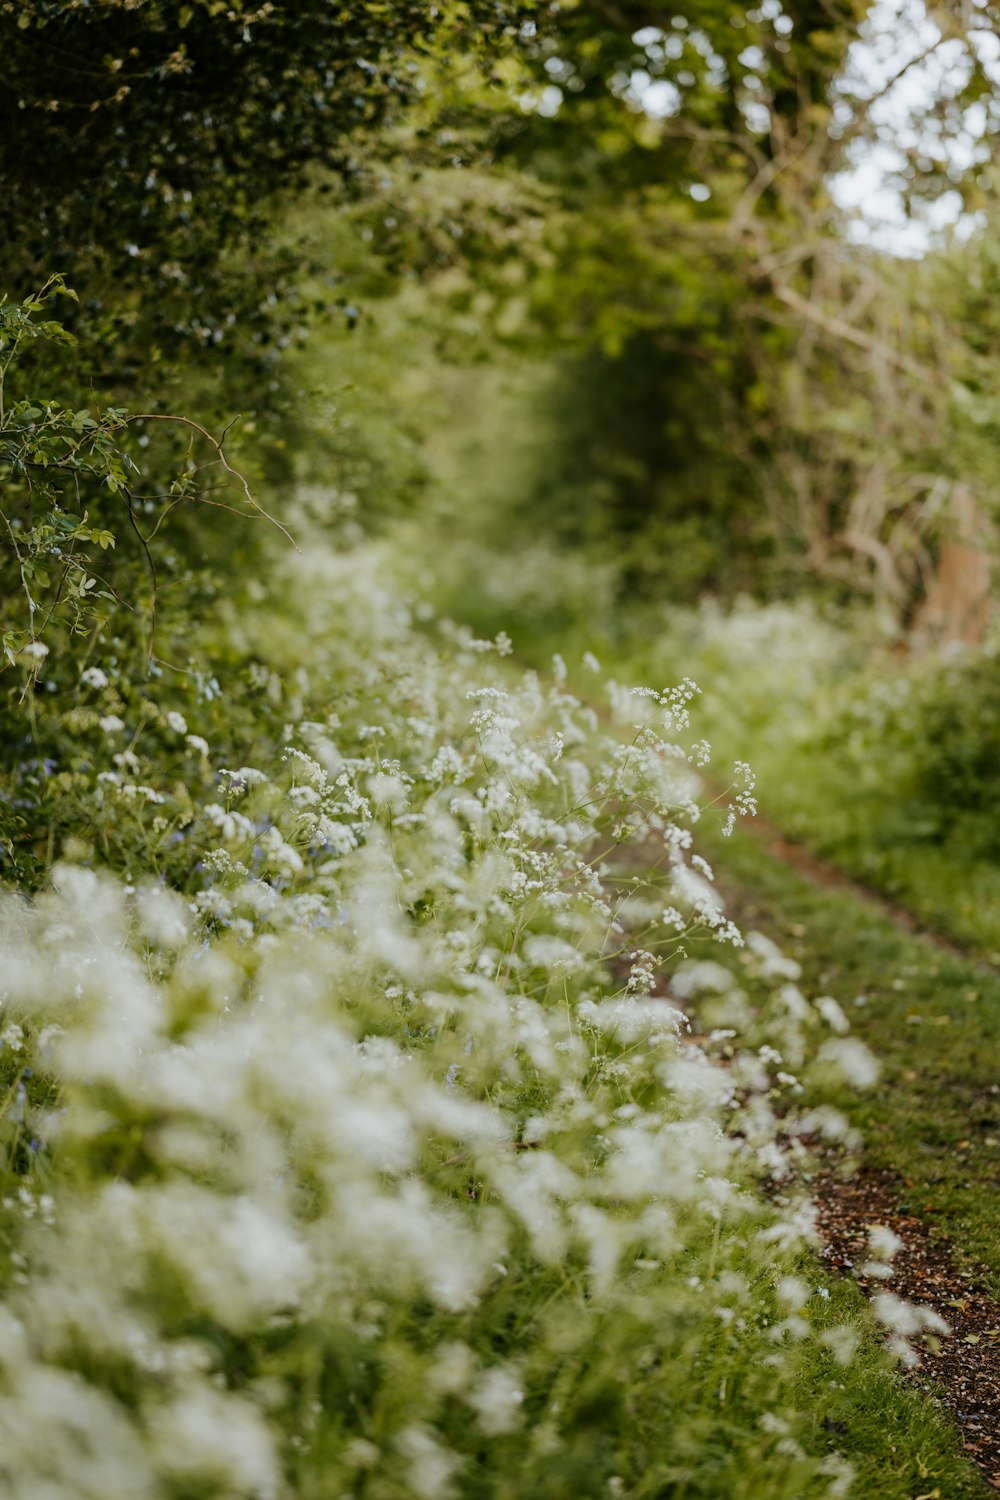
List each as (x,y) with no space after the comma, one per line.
(771,962)
(875,1270)
(244,777)
(883,1242)
(163,916)
(12,1036)
(793,1292)
(696,976)
(320,1068)
(496,1399)
(94,677)
(280,853)
(842,1341)
(906,1317)
(111,724)
(856,1064)
(841,1474)
(206,1434)
(833,1015)
(431,1464)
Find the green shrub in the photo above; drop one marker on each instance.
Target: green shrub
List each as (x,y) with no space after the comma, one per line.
(956,749)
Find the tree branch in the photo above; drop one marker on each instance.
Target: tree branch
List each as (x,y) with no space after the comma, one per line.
(223,460)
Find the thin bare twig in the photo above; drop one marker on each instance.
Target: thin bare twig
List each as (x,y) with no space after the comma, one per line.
(830,323)
(152,576)
(215,443)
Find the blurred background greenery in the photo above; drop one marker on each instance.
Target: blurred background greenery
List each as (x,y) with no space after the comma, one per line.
(569,306)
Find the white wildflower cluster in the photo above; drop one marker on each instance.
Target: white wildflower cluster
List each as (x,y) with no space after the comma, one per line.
(744,803)
(366,1151)
(904,1320)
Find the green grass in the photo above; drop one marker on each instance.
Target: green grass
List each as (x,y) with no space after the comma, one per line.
(932,1017)
(882,767)
(822,797)
(900,1443)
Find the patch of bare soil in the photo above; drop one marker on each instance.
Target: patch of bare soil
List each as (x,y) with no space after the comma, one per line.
(963,1368)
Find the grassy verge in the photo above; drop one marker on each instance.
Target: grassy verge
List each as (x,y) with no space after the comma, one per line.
(496,1228)
(931,1016)
(899,1442)
(884,767)
(822,795)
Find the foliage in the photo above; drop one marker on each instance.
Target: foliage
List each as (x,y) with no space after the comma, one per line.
(382,1153)
(724,363)
(86,539)
(955,731)
(148,143)
(939,723)
(643,206)
(878,759)
(45,451)
(387,1092)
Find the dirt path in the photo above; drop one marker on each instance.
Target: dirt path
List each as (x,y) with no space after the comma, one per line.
(961,1368)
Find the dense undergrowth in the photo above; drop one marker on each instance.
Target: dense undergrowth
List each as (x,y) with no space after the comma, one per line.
(352,1143)
(388,1096)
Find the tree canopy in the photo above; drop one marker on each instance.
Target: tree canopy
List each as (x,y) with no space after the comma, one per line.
(147,144)
(689,230)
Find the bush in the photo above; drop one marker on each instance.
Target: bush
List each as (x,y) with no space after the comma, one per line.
(957,751)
